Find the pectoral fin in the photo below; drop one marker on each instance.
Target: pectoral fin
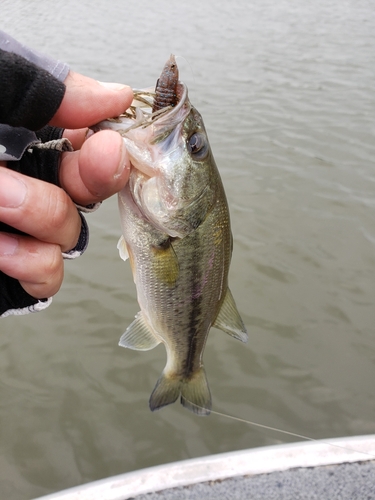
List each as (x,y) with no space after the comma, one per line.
(125,254)
(138,336)
(165,263)
(229,320)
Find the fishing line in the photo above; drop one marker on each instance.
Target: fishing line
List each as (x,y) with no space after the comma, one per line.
(289,433)
(190,66)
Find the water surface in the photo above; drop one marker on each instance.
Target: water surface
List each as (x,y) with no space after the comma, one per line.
(286,92)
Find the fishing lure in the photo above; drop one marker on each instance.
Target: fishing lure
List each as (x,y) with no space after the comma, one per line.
(166,86)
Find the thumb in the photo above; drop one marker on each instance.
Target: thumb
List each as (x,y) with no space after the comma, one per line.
(87,101)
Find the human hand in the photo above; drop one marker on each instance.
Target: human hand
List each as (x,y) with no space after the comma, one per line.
(96,169)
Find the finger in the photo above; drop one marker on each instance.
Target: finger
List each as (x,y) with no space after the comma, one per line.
(98,170)
(38,266)
(87,101)
(39,209)
(76,136)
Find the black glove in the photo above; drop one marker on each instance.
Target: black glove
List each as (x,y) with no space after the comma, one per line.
(41,164)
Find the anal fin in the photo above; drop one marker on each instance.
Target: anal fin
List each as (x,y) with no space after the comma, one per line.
(229,320)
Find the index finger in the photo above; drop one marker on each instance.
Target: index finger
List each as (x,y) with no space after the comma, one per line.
(39,209)
(87,101)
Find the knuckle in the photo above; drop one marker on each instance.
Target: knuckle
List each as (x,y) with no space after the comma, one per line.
(50,275)
(58,209)
(53,265)
(39,268)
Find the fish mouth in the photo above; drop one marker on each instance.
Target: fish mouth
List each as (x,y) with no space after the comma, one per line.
(148,135)
(139,116)
(140,111)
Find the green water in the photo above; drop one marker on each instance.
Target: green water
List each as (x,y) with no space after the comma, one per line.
(286,93)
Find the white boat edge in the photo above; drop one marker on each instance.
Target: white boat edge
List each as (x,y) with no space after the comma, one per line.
(222,466)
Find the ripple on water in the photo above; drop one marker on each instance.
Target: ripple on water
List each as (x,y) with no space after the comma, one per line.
(286,92)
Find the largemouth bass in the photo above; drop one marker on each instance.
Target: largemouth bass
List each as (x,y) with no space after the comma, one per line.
(177,236)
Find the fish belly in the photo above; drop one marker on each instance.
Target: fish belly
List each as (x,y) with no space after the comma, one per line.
(181,284)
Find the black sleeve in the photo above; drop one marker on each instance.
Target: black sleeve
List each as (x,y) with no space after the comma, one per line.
(29,95)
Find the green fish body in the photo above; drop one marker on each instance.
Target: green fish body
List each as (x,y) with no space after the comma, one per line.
(177,236)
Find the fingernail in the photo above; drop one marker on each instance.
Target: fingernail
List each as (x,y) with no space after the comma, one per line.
(124,161)
(8,244)
(89,133)
(114,86)
(12,191)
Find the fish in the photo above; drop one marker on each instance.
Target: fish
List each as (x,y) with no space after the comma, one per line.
(177,236)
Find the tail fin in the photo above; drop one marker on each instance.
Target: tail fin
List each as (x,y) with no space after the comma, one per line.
(195,393)
(167,390)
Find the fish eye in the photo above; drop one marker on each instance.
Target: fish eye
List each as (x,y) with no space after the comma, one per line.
(197,146)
